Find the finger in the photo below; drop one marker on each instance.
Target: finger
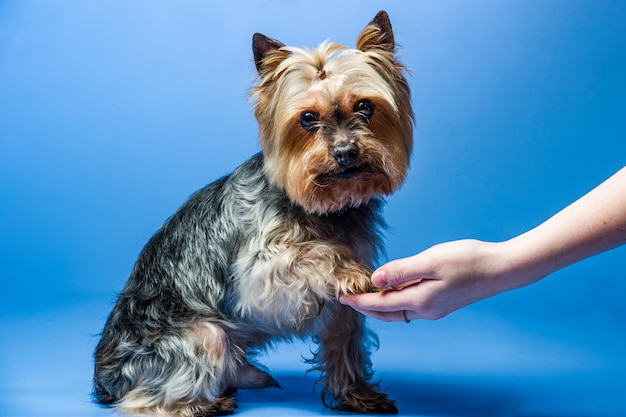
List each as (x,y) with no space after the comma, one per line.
(383,301)
(402,272)
(366,301)
(388,316)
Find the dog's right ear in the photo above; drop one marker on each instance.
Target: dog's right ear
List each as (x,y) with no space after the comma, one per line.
(267,52)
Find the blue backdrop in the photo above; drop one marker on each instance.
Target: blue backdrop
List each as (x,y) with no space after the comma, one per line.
(112,113)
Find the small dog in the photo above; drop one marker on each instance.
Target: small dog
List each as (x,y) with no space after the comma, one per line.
(263,254)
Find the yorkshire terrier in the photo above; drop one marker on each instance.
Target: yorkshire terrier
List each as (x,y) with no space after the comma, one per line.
(263,254)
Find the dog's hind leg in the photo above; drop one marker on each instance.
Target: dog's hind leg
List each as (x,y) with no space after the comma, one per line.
(183,375)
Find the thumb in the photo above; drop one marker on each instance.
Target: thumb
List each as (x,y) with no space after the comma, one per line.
(400,273)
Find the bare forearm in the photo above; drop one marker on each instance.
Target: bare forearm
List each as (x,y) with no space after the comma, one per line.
(593,224)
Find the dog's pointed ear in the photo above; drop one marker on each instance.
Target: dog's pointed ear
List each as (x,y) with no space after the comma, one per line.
(378,34)
(261,47)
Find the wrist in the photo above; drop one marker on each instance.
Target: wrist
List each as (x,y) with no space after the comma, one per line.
(521,262)
(500,266)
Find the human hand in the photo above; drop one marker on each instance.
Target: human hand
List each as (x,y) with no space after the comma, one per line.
(435,282)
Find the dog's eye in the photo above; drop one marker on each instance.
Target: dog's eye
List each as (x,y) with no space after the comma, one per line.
(365,108)
(309,120)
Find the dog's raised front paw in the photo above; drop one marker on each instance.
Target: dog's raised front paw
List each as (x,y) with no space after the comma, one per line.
(353,278)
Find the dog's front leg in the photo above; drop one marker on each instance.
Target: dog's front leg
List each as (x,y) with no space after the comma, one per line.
(285,282)
(343,358)
(334,267)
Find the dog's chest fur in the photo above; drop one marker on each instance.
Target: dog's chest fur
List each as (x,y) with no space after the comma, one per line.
(261,286)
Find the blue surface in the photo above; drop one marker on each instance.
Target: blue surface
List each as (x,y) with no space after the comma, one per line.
(112,113)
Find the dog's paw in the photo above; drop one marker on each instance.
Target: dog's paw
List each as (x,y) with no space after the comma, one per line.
(367,400)
(222,407)
(249,376)
(353,278)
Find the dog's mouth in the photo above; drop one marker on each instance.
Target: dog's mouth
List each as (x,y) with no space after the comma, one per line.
(343,173)
(350,172)
(363,172)
(358,171)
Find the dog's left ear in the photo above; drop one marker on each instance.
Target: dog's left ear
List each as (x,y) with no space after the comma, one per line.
(378,34)
(262,46)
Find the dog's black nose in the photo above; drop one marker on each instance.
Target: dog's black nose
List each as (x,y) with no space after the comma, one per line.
(345,154)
